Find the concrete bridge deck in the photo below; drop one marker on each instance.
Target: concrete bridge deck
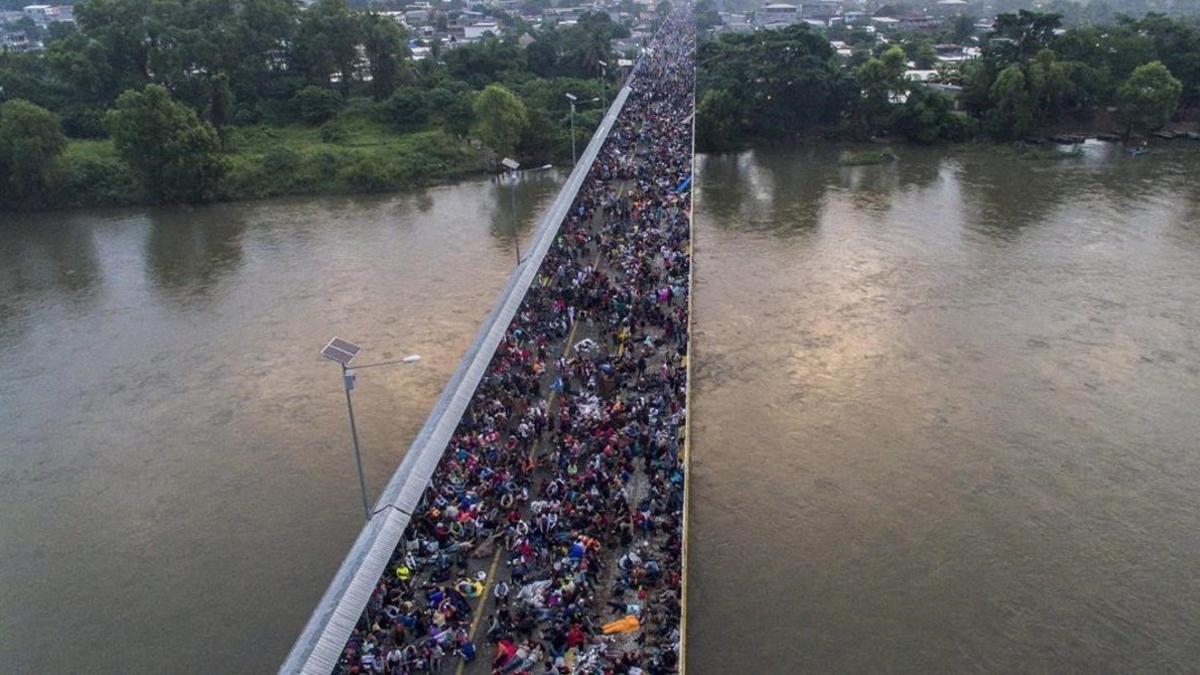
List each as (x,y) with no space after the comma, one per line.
(321,644)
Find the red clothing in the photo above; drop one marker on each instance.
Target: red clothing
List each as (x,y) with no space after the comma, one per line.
(575,636)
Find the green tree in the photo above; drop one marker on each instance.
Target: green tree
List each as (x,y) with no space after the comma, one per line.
(317,104)
(717,121)
(326,43)
(782,82)
(924,55)
(540,139)
(1050,86)
(1147,100)
(452,107)
(30,145)
(879,80)
(220,104)
(383,43)
(1017,37)
(1177,44)
(1011,115)
(407,109)
(166,144)
(927,116)
(502,117)
(962,27)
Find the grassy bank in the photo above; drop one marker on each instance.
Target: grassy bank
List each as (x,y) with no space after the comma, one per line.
(348,154)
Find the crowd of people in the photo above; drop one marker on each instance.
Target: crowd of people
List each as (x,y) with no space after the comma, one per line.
(550,537)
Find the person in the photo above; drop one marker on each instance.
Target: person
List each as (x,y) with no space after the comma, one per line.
(500,593)
(563,454)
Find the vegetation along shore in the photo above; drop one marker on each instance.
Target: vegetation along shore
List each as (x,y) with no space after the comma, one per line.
(213,100)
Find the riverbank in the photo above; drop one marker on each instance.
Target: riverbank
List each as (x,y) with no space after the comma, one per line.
(352,154)
(885,150)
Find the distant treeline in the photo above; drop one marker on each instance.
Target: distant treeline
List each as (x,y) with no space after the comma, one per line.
(1031,76)
(191,100)
(1073,12)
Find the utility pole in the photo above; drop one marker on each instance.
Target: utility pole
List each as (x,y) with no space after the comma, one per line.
(512,166)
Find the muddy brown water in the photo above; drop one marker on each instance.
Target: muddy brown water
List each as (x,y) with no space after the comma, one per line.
(946,414)
(177,486)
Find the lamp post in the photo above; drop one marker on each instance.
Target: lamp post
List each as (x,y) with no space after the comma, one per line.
(343,352)
(512,165)
(604,81)
(573,99)
(574,157)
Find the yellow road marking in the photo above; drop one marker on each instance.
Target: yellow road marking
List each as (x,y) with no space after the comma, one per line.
(487,586)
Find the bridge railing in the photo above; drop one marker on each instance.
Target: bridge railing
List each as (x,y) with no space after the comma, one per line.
(324,637)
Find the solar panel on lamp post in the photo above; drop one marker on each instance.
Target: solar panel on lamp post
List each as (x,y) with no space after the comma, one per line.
(343,352)
(512,165)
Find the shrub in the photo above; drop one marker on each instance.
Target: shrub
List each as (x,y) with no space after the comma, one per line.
(280,160)
(95,181)
(369,174)
(332,132)
(317,104)
(407,109)
(84,122)
(246,115)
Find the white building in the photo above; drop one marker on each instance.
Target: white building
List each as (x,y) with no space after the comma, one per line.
(41,14)
(478,30)
(776,15)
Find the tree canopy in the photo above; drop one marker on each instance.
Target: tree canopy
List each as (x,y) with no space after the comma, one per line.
(502,118)
(31,142)
(1148,98)
(173,152)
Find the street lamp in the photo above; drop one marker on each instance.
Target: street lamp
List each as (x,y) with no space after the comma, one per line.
(512,166)
(574,158)
(604,81)
(343,353)
(573,98)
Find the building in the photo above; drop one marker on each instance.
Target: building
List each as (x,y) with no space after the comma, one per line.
(918,21)
(563,14)
(734,23)
(478,30)
(855,18)
(885,23)
(821,10)
(776,15)
(15,41)
(950,7)
(39,13)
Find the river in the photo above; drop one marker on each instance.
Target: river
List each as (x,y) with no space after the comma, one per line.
(177,486)
(946,414)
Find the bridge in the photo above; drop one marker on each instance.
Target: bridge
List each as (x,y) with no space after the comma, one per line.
(540,515)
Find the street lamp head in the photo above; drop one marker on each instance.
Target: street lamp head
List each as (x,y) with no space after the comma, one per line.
(411,358)
(603,63)
(572,97)
(510,164)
